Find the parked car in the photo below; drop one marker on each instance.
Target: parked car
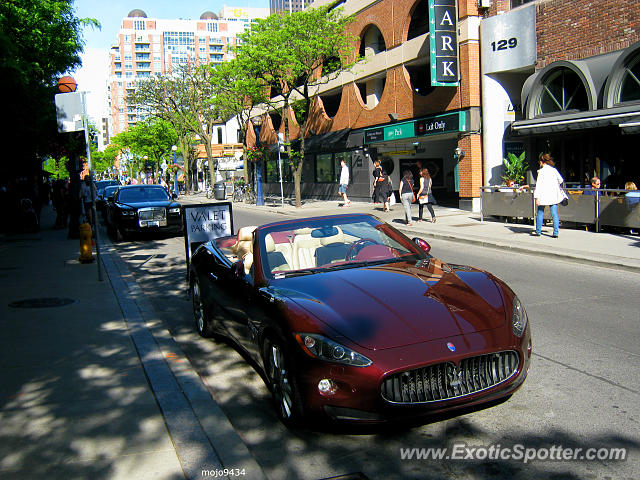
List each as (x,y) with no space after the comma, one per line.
(143,208)
(348,318)
(100,196)
(107,195)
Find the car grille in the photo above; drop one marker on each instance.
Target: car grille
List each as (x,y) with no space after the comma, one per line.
(155,213)
(447,380)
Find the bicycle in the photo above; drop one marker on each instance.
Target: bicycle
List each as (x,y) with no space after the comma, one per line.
(244,193)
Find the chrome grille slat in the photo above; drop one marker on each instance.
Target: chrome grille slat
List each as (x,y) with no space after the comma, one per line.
(433,383)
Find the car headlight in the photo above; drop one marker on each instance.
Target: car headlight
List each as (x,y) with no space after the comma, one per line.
(330,351)
(519,318)
(174,210)
(128,213)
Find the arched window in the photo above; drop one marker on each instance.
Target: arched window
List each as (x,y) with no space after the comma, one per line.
(419,20)
(372,41)
(630,83)
(562,91)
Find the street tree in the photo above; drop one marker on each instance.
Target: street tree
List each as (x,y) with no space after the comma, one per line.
(294,54)
(39,41)
(185,99)
(237,91)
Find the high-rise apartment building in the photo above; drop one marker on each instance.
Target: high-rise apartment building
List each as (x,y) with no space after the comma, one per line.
(147,46)
(278,6)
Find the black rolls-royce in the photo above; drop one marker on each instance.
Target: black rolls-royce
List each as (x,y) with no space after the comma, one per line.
(143,208)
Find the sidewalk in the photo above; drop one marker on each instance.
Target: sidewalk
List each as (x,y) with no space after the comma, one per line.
(576,245)
(90,387)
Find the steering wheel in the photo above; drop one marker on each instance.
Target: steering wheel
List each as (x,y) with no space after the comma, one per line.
(358,245)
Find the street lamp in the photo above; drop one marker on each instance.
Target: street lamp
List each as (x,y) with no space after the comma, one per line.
(176,187)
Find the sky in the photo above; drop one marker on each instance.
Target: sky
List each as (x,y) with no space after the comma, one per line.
(93,75)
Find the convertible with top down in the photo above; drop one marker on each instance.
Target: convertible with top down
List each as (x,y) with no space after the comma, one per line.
(349,318)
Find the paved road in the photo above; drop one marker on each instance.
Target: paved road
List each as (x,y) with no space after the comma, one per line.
(582,391)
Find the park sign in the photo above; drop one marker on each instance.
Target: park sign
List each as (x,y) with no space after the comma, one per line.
(205,222)
(443,43)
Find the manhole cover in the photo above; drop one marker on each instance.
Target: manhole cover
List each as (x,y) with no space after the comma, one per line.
(42,302)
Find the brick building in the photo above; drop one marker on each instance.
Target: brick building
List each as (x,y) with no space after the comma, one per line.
(563,77)
(400,106)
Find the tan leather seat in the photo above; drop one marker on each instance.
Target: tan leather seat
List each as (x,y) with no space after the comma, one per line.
(278,254)
(304,249)
(243,248)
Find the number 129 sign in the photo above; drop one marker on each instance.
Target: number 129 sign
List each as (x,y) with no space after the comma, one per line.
(504,44)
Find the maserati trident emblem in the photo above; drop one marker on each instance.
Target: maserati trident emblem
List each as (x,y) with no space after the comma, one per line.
(451,346)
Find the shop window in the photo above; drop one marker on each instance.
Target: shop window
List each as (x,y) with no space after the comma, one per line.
(630,84)
(419,24)
(372,41)
(324,168)
(562,91)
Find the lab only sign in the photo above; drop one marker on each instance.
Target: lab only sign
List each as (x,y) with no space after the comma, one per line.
(205,222)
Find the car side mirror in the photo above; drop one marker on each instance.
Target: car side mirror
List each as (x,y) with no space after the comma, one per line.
(422,244)
(174,196)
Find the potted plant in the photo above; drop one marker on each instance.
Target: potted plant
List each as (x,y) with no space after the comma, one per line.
(515,168)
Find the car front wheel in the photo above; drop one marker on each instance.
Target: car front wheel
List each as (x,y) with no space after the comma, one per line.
(203,324)
(282,382)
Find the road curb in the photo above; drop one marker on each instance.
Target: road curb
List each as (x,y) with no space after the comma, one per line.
(202,435)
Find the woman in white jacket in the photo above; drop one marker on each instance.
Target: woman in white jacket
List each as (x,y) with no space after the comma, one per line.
(548,192)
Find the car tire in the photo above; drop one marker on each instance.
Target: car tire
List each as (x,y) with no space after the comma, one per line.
(203,324)
(282,382)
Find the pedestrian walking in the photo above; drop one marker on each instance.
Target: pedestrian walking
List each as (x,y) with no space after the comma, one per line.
(88,196)
(425,195)
(407,197)
(548,193)
(344,183)
(381,186)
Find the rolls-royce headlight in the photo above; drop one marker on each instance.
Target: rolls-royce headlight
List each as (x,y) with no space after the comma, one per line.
(519,318)
(321,347)
(174,210)
(128,213)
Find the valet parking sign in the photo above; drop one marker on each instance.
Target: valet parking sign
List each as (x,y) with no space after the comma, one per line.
(205,222)
(443,38)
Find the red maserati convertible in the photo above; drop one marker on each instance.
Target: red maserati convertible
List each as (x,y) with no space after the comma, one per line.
(351,319)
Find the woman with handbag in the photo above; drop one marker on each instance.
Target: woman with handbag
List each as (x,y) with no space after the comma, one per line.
(406,194)
(425,195)
(548,192)
(381,188)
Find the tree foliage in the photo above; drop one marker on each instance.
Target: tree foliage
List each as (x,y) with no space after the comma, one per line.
(39,41)
(185,99)
(288,52)
(153,139)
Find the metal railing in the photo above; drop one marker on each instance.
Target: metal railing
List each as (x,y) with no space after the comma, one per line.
(609,207)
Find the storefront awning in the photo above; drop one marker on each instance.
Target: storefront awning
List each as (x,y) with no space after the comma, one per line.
(627,118)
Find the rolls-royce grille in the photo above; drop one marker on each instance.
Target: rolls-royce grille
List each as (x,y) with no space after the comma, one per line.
(152,217)
(444,381)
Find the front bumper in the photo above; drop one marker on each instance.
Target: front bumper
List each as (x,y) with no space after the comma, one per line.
(359,395)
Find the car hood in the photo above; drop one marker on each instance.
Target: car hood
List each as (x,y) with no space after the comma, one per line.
(399,304)
(156,203)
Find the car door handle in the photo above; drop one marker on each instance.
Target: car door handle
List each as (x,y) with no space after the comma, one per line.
(213,276)
(265,294)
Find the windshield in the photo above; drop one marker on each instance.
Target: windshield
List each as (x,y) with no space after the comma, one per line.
(332,243)
(142,194)
(101,184)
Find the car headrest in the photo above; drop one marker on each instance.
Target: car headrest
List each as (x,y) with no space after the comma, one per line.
(338,238)
(245,234)
(269,243)
(303,231)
